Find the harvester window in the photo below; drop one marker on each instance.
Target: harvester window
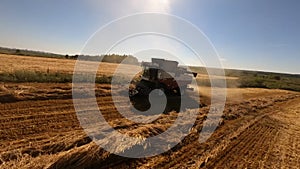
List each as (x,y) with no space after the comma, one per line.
(146,72)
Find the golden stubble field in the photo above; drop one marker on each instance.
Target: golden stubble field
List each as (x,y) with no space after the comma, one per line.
(39,128)
(12,63)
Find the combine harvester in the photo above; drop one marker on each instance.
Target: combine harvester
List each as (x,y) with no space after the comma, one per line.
(164,75)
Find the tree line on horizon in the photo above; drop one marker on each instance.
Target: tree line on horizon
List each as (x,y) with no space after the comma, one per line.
(111,58)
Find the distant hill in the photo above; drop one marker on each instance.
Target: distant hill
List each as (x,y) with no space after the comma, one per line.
(111,58)
(25,52)
(257,79)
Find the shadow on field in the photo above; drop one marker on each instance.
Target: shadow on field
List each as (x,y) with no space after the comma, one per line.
(157,105)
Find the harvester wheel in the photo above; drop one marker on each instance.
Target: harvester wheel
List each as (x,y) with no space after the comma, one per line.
(161,91)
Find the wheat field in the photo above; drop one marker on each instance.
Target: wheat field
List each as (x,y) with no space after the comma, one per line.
(39,127)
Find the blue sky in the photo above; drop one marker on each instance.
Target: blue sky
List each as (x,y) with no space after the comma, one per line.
(256,34)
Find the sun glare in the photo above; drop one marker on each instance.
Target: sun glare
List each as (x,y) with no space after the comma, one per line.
(158,5)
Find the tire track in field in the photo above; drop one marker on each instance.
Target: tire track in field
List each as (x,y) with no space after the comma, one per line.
(189,152)
(60,119)
(272,142)
(286,151)
(233,148)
